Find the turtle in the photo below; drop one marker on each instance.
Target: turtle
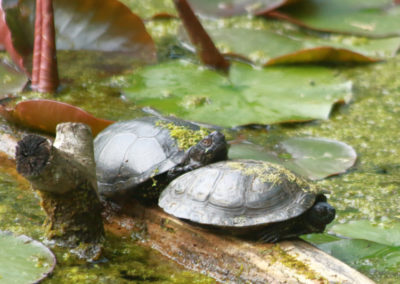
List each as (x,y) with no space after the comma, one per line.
(254,199)
(142,155)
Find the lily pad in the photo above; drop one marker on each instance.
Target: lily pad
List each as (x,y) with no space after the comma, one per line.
(23,260)
(363,229)
(247,96)
(102,25)
(11,80)
(152,8)
(318,158)
(267,47)
(376,18)
(314,158)
(362,253)
(227,8)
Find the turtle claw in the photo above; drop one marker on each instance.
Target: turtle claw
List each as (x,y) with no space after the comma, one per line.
(270,237)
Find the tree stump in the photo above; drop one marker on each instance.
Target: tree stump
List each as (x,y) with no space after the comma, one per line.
(63,174)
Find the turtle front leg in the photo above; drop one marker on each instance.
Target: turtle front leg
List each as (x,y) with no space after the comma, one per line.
(180,170)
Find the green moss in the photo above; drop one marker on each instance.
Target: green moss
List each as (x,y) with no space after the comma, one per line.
(271,173)
(184,136)
(278,254)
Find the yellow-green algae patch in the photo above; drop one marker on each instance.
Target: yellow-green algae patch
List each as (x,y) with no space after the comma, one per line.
(184,136)
(124,260)
(271,173)
(278,254)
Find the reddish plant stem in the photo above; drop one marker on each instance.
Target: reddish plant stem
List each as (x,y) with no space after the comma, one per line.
(37,45)
(204,45)
(44,72)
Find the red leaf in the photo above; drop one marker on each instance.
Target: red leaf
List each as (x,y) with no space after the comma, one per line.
(7,41)
(205,48)
(102,25)
(44,115)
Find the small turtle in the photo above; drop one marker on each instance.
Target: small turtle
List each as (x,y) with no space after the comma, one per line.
(142,155)
(253,199)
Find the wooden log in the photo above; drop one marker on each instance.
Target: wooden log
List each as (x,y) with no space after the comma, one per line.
(225,258)
(63,174)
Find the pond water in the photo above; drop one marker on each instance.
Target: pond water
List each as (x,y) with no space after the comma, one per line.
(368,191)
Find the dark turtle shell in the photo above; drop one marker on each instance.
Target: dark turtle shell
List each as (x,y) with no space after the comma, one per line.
(133,152)
(245,194)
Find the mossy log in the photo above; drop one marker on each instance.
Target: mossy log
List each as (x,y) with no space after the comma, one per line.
(223,257)
(63,174)
(226,258)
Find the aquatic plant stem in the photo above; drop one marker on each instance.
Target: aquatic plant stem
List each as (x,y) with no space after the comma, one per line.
(44,70)
(205,48)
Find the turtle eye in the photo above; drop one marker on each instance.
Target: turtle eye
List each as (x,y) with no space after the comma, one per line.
(206,142)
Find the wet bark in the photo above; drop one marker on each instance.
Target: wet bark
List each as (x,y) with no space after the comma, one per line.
(63,174)
(227,258)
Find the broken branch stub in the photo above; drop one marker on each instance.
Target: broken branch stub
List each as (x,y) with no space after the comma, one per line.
(63,174)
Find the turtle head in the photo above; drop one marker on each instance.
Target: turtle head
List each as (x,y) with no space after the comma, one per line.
(321,214)
(210,149)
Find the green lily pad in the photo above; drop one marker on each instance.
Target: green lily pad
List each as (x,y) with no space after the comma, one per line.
(317,158)
(247,96)
(314,158)
(227,8)
(376,18)
(151,8)
(268,47)
(11,80)
(362,253)
(363,229)
(23,260)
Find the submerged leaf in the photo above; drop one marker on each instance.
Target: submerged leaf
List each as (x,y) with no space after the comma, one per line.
(247,96)
(369,18)
(363,229)
(314,158)
(102,25)
(24,260)
(227,8)
(361,253)
(44,115)
(11,80)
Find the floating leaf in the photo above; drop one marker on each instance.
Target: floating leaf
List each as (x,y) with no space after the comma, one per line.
(363,229)
(369,18)
(11,80)
(24,260)
(247,96)
(267,47)
(361,253)
(314,158)
(318,158)
(227,8)
(102,25)
(44,115)
(152,8)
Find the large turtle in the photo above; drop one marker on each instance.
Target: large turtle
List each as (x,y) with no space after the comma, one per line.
(255,199)
(144,154)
